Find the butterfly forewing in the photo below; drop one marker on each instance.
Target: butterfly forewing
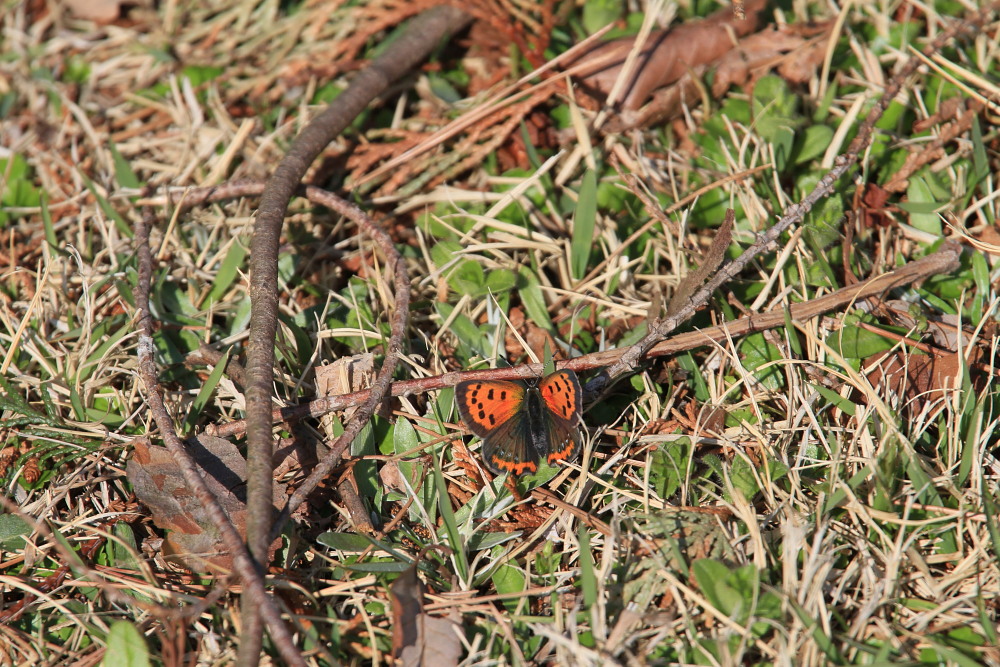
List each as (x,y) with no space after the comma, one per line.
(484,406)
(563,398)
(562,395)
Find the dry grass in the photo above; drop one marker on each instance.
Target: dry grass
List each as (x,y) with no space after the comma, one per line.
(766,500)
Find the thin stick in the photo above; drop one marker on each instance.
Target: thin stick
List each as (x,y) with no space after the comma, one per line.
(380,388)
(944,261)
(243,563)
(420,37)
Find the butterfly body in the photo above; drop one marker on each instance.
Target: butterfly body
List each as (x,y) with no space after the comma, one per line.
(521,423)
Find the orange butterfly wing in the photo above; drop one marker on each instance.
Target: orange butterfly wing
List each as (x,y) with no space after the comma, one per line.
(563,398)
(493,410)
(485,405)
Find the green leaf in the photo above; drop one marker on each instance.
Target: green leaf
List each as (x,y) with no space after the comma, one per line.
(381,567)
(444,252)
(483,541)
(205,393)
(846,405)
(346,542)
(500,280)
(583,225)
(241,317)
(199,74)
(922,206)
(716,581)
(667,467)
(364,442)
(823,640)
(532,298)
(468,278)
(588,574)
(443,89)
(126,647)
(405,439)
(599,13)
(823,223)
(454,536)
(123,548)
(792,334)
(509,580)
(50,232)
(759,354)
(123,170)
(14,532)
(17,190)
(688,363)
(742,476)
(813,142)
(227,272)
(853,342)
(124,228)
(467,333)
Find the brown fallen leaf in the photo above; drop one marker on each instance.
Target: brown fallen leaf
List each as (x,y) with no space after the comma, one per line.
(666,55)
(192,541)
(756,54)
(99,11)
(536,337)
(873,206)
(915,378)
(417,637)
(709,264)
(343,376)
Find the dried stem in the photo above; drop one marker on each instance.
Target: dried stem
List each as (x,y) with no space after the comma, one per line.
(243,563)
(422,35)
(380,388)
(944,261)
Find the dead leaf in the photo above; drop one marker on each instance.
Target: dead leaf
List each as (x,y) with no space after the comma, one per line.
(667,54)
(391,477)
(914,377)
(343,376)
(418,638)
(874,206)
(536,337)
(99,11)
(943,328)
(738,67)
(709,264)
(192,539)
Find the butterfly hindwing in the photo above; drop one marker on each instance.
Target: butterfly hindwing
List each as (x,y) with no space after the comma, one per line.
(510,448)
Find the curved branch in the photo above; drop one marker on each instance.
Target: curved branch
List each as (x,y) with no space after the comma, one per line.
(242,560)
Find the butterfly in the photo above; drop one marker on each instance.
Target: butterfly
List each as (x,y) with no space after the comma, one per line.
(522,423)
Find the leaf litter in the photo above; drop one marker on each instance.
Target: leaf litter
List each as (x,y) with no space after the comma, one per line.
(166,142)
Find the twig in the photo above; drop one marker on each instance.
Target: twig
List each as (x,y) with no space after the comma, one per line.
(379,389)
(421,36)
(943,261)
(660,329)
(243,563)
